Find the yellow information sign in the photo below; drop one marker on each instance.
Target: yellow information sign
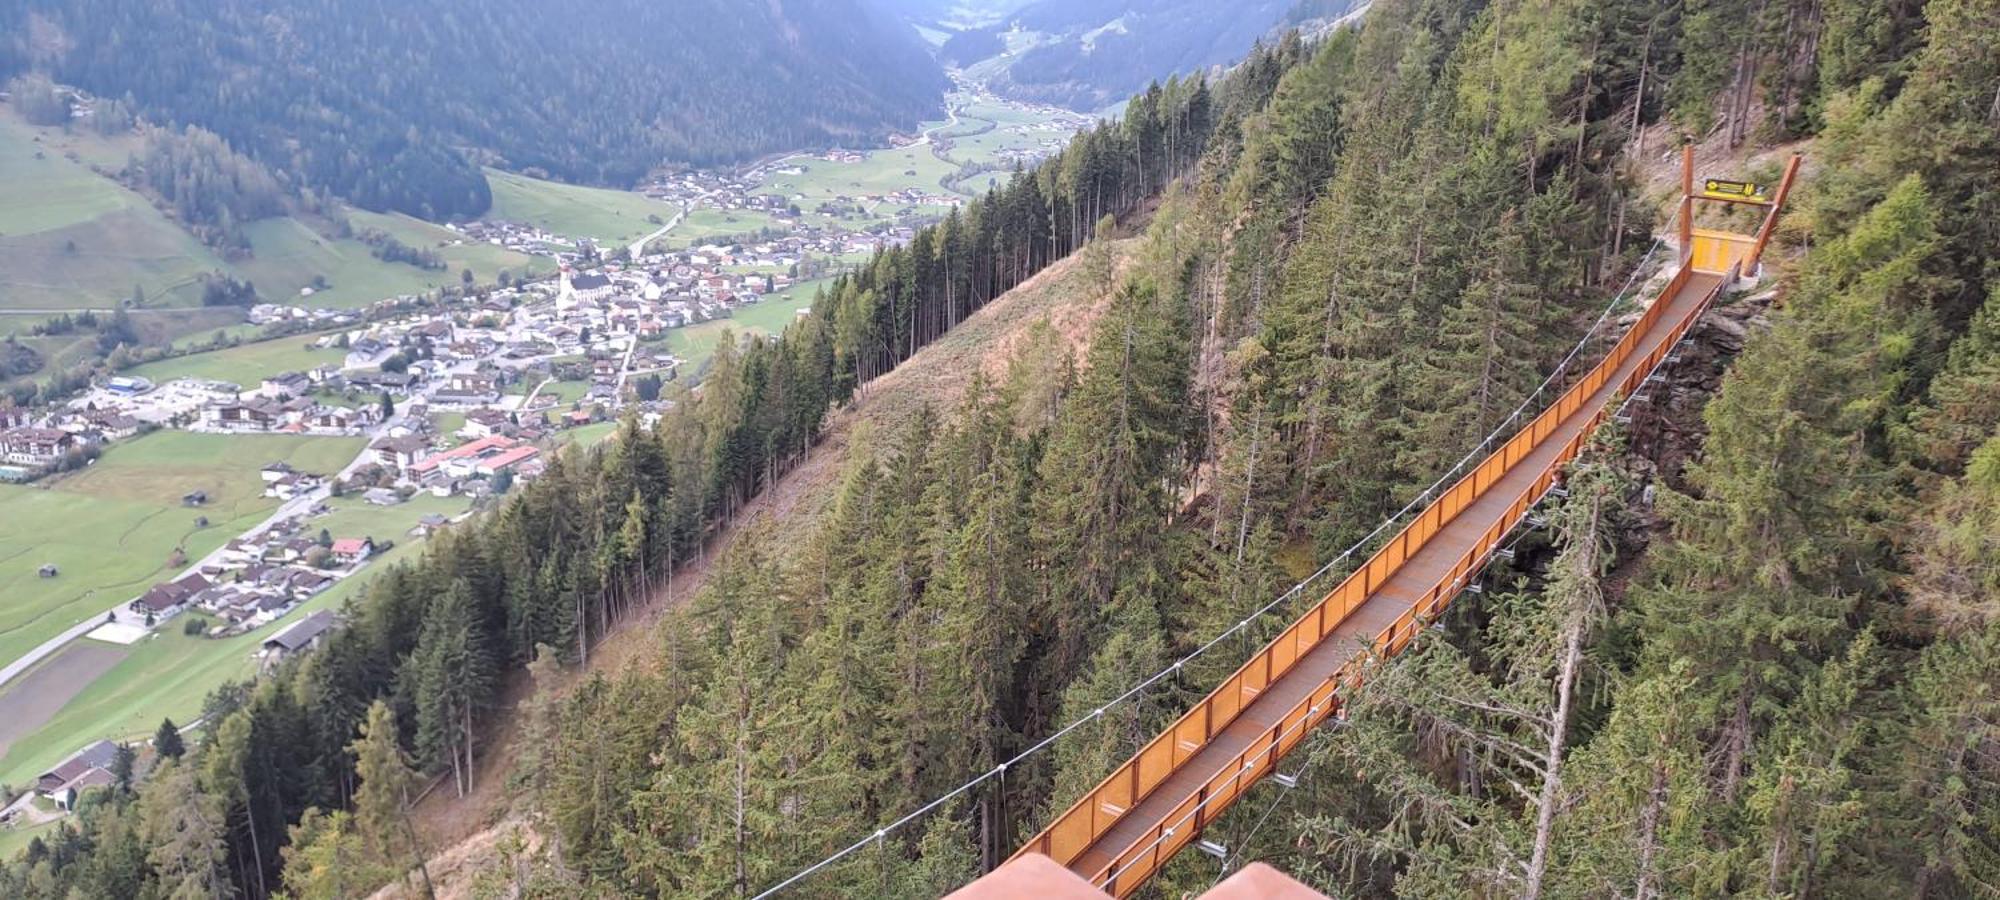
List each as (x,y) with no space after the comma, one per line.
(1734,190)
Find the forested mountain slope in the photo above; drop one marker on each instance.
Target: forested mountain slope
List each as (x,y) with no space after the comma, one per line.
(288,795)
(1364,254)
(394,105)
(1087,55)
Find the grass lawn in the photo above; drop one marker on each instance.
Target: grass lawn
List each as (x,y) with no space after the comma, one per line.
(245,365)
(586,436)
(705,224)
(353,517)
(565,392)
(609,216)
(447,422)
(16,839)
(110,529)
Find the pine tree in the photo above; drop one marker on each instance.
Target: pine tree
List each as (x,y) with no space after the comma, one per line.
(167,740)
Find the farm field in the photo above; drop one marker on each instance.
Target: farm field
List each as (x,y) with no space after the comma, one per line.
(878,172)
(35,695)
(245,365)
(485,260)
(696,343)
(606,215)
(986,147)
(704,224)
(164,676)
(161,466)
(110,529)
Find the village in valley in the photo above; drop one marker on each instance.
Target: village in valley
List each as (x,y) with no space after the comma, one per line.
(392,420)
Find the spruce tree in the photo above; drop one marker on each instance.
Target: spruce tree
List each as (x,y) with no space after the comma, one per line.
(167,740)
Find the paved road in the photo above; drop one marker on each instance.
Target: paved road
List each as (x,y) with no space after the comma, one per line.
(638,247)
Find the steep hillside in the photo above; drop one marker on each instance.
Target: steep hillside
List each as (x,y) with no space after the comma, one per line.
(394,105)
(1362,254)
(1025,337)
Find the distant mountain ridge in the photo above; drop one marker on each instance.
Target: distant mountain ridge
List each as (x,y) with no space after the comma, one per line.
(394,104)
(1086,54)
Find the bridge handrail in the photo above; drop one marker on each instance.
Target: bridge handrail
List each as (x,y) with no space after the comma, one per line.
(1079,827)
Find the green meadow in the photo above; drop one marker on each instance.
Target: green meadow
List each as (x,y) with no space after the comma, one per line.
(166,675)
(169,673)
(76,239)
(696,343)
(245,365)
(572,210)
(111,529)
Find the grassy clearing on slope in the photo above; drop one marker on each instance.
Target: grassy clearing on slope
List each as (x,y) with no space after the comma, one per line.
(73,238)
(40,190)
(15,839)
(245,365)
(486,261)
(111,529)
(566,209)
(288,255)
(155,326)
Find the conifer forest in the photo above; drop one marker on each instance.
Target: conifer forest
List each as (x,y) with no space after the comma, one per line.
(1753,649)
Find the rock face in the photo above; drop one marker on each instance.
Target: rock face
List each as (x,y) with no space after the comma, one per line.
(1668,431)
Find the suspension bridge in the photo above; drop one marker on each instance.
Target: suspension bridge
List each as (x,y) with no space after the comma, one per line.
(1159,801)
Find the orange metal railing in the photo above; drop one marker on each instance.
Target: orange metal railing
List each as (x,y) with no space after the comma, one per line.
(1079,828)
